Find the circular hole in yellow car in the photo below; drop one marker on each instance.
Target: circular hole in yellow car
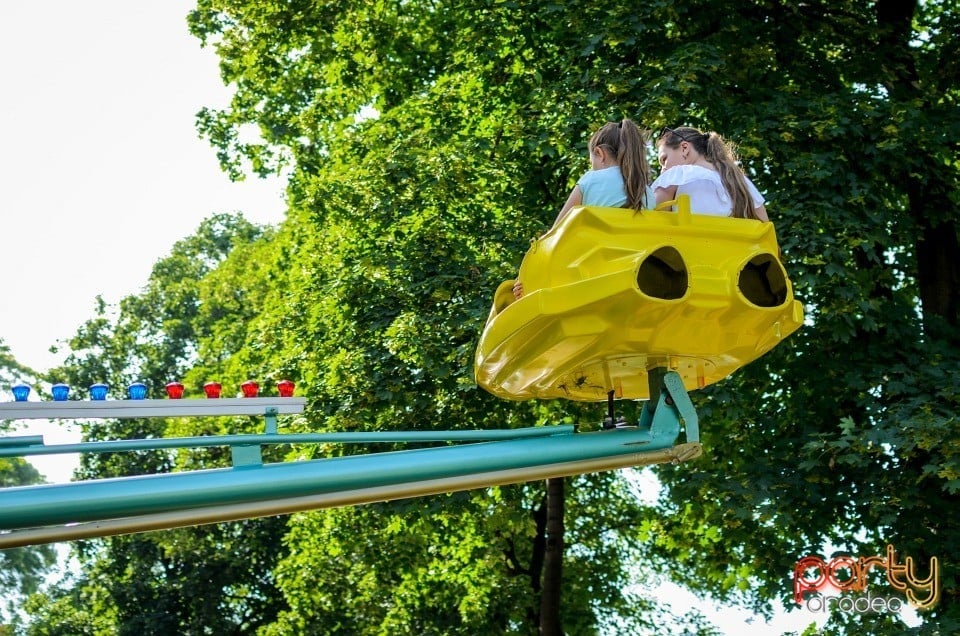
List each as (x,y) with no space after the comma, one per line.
(763,282)
(663,274)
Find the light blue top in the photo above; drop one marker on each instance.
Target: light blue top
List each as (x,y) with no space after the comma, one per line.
(604,188)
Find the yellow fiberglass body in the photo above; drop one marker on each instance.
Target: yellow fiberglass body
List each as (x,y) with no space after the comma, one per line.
(610,293)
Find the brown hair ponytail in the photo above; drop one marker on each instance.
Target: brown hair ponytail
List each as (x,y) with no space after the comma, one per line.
(626,141)
(633,164)
(723,155)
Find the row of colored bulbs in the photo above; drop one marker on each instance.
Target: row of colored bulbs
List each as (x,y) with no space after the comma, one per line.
(138,390)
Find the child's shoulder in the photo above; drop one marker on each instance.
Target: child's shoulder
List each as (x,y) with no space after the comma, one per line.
(602,175)
(679,175)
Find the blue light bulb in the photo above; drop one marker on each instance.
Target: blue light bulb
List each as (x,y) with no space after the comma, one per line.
(20,392)
(98,391)
(137,391)
(60,392)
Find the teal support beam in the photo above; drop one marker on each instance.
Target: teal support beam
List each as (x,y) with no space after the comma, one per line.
(671,405)
(270,419)
(252,454)
(387,492)
(29,506)
(24,446)
(246,455)
(682,406)
(20,441)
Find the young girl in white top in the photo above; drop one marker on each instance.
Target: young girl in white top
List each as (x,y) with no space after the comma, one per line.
(619,175)
(704,166)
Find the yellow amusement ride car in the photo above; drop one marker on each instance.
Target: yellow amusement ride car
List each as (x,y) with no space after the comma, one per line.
(616,300)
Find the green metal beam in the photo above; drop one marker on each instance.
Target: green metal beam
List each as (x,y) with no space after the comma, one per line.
(373,494)
(33,444)
(29,506)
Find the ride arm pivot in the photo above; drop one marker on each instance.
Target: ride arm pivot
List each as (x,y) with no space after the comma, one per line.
(669,405)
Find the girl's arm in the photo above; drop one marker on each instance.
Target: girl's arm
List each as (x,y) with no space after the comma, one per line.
(575,199)
(759,209)
(668,193)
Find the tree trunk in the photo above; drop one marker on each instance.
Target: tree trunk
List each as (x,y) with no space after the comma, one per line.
(938,260)
(550,624)
(937,245)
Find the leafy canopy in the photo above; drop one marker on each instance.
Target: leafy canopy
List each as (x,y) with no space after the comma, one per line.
(428,141)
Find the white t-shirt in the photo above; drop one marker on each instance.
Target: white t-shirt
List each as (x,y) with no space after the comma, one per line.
(706,191)
(605,188)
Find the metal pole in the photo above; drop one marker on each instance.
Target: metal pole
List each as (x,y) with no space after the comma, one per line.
(29,506)
(233,512)
(23,446)
(76,409)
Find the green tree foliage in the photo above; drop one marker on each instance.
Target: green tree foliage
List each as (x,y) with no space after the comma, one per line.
(846,114)
(186,324)
(401,222)
(21,569)
(842,439)
(427,142)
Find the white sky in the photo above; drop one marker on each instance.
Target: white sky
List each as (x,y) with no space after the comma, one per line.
(101,169)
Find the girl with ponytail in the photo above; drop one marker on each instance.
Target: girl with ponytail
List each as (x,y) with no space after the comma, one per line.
(619,176)
(704,166)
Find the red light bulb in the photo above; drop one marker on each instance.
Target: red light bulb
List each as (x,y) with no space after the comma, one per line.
(174,390)
(250,389)
(285,388)
(212,389)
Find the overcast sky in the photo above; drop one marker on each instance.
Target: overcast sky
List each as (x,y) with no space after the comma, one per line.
(101,169)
